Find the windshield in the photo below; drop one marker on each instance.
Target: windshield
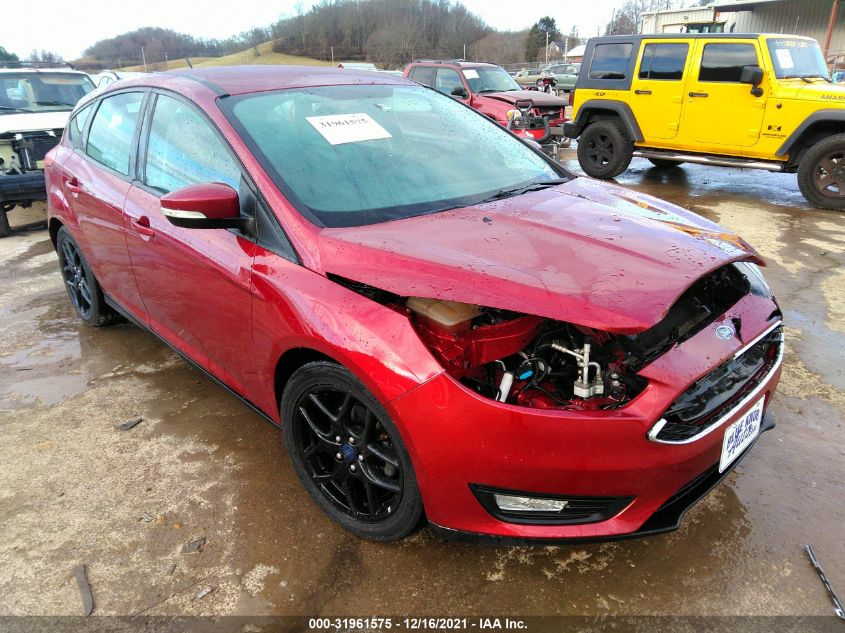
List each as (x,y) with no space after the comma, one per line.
(42,92)
(489,79)
(355,155)
(797,58)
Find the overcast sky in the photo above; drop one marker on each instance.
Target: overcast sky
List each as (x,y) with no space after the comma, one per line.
(68,28)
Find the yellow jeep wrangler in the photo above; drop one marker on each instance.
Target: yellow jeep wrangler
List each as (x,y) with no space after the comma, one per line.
(733,100)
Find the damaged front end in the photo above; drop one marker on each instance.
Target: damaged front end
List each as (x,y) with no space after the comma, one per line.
(531,361)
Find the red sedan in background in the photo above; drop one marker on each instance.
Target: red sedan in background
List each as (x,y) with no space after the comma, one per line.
(445,323)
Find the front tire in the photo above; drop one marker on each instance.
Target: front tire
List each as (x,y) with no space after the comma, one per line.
(82,287)
(604,149)
(348,453)
(821,173)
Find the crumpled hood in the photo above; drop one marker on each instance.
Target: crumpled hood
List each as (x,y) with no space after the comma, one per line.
(33,121)
(541,99)
(585,252)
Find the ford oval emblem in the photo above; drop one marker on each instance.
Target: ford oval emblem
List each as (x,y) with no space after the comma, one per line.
(725,332)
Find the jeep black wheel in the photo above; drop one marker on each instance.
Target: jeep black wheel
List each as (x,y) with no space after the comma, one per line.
(348,453)
(665,163)
(82,287)
(821,173)
(605,149)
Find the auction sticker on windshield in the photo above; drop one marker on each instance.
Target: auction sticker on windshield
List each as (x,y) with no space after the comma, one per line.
(338,129)
(740,434)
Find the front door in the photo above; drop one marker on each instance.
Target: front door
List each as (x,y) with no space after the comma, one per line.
(720,113)
(195,283)
(658,88)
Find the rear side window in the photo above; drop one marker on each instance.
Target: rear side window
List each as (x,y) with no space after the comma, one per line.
(664,61)
(184,149)
(112,130)
(76,127)
(423,75)
(724,62)
(446,80)
(610,61)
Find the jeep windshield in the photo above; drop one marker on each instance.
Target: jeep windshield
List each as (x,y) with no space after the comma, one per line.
(41,91)
(356,155)
(797,59)
(483,79)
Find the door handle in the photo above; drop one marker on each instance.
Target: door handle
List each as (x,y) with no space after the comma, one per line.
(642,92)
(142,225)
(73,185)
(698,94)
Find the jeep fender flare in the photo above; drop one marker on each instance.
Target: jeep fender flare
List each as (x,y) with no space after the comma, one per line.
(821,116)
(619,108)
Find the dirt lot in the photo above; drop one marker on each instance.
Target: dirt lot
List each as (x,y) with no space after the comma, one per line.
(75,490)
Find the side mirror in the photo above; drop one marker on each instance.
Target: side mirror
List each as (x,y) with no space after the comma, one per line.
(460,91)
(205,206)
(752,75)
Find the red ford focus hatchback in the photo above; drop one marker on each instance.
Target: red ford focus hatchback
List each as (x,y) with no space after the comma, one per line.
(445,323)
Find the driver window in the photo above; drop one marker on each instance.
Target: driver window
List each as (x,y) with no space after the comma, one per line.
(184,149)
(447,79)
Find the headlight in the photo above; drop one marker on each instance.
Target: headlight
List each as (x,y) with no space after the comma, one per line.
(758,283)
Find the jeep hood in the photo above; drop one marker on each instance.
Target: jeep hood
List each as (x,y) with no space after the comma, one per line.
(585,252)
(540,99)
(32,121)
(820,90)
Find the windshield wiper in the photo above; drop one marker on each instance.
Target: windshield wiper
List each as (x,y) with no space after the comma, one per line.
(54,103)
(518,191)
(806,77)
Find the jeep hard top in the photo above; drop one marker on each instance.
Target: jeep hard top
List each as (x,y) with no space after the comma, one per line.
(737,100)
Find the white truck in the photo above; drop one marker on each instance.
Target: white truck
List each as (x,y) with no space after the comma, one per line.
(35,101)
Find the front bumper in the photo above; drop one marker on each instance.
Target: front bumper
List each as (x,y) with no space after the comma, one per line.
(24,187)
(458,438)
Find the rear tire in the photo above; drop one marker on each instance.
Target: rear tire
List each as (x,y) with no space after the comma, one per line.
(665,163)
(82,287)
(821,173)
(348,453)
(604,149)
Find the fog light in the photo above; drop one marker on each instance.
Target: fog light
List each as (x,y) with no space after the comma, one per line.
(511,503)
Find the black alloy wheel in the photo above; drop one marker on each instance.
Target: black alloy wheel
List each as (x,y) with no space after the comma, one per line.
(82,287)
(75,274)
(821,173)
(605,149)
(348,454)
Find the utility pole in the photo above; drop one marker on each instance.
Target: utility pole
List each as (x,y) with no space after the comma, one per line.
(465,51)
(547,48)
(332,55)
(144,58)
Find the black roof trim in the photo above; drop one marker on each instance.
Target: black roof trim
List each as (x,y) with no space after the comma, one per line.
(217,90)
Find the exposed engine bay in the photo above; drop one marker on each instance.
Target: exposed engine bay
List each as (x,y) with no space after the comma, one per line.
(541,363)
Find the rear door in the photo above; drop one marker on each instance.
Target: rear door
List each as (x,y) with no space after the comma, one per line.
(195,283)
(720,113)
(658,87)
(96,179)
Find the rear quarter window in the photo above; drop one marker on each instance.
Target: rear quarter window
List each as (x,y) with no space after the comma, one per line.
(76,127)
(610,61)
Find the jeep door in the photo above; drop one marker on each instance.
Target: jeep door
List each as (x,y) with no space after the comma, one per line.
(721,114)
(658,87)
(195,283)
